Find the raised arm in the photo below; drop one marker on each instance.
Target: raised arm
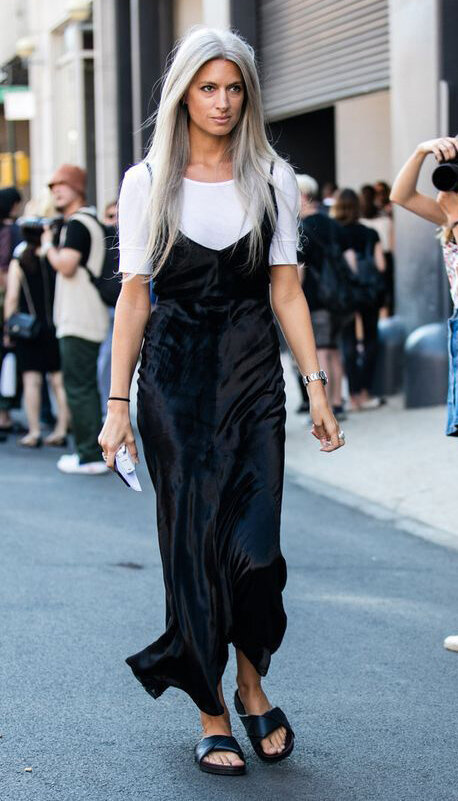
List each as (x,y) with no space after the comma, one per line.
(404,191)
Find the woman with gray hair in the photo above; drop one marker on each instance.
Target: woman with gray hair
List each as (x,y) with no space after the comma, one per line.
(210,215)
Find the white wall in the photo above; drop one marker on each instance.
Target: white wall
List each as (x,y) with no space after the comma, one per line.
(106,124)
(363,140)
(12,19)
(186,13)
(414,118)
(214,13)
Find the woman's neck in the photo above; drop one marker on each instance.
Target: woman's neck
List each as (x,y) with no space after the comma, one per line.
(207,151)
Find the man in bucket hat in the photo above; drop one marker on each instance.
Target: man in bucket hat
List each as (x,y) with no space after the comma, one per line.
(80,316)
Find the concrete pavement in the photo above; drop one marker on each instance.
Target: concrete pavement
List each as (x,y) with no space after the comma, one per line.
(397,464)
(361,673)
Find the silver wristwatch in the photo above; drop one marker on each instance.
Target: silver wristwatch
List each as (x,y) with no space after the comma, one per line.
(319,376)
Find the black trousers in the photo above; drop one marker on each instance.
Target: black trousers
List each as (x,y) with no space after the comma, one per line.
(360,357)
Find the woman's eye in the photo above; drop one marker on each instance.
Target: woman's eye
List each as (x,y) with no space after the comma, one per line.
(236,89)
(204,88)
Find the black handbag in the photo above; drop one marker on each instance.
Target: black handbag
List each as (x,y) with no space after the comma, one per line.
(23,325)
(333,282)
(369,283)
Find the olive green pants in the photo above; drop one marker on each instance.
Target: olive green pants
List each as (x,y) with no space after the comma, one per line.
(79,367)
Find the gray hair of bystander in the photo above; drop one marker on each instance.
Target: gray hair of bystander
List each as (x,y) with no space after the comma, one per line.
(308,186)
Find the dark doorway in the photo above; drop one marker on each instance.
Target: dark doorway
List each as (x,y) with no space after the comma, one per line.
(308,142)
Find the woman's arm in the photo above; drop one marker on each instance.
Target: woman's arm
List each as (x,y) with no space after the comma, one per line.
(404,191)
(379,258)
(13,289)
(292,312)
(131,316)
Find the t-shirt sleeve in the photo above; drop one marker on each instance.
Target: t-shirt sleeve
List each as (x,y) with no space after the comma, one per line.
(374,237)
(78,238)
(133,222)
(284,241)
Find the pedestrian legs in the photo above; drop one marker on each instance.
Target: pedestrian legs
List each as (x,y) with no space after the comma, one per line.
(79,365)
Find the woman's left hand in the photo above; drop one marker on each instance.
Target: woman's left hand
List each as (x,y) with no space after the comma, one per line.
(325,426)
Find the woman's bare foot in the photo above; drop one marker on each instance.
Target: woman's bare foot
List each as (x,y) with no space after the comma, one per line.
(256,702)
(31,440)
(219,724)
(57,437)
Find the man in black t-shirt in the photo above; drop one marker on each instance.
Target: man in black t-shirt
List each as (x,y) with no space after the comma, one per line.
(80,316)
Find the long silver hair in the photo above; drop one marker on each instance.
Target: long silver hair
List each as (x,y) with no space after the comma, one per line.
(250,152)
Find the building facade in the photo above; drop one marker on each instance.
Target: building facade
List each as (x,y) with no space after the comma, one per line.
(350,87)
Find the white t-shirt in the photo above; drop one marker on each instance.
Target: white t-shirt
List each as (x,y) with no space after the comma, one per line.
(212,215)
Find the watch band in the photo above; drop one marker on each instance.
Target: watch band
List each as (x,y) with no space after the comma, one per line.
(320,375)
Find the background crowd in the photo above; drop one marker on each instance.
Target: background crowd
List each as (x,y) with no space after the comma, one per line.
(346,260)
(57,313)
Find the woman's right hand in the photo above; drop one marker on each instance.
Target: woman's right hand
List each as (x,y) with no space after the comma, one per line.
(444,149)
(117,431)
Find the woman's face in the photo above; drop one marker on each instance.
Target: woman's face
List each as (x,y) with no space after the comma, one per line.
(215,97)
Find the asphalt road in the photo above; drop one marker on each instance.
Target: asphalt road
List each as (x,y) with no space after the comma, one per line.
(362,673)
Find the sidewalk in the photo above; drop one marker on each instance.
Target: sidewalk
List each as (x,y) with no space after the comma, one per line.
(397,464)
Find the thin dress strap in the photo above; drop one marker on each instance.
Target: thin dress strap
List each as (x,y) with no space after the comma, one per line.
(271,187)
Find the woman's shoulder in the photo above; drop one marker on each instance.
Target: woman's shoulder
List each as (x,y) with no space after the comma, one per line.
(138,176)
(282,173)
(19,250)
(285,183)
(366,231)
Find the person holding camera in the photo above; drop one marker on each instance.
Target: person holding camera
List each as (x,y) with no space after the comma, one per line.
(30,291)
(444,212)
(80,315)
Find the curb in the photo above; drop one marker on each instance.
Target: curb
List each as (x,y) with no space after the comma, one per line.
(446,539)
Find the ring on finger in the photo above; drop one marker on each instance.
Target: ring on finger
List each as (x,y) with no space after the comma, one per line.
(104,457)
(341,436)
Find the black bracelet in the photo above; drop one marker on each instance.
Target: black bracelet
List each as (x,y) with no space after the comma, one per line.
(453,224)
(127,400)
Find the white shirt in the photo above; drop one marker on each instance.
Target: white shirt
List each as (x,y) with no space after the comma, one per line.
(212,215)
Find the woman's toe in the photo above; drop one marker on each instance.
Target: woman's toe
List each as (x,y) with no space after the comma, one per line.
(268,746)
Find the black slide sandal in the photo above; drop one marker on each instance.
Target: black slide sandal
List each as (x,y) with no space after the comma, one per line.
(260,726)
(219,742)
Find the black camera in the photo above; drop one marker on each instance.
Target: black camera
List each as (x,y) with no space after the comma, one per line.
(445,176)
(32,227)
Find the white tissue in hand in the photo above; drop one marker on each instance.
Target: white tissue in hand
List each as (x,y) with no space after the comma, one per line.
(126,468)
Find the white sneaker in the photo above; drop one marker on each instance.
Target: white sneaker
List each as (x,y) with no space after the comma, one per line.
(371,403)
(451,643)
(70,463)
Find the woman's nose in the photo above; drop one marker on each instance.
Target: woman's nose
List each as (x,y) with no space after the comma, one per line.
(222,100)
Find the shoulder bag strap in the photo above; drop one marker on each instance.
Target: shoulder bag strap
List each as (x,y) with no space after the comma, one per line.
(46,290)
(27,293)
(272,188)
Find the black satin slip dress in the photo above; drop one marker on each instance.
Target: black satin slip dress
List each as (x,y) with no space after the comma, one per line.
(211,414)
